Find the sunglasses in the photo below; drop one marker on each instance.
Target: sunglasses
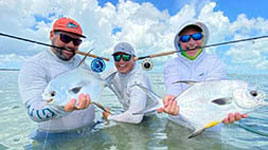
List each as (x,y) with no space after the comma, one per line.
(66,39)
(186,38)
(126,57)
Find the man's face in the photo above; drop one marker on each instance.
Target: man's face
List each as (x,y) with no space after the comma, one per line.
(193,45)
(123,65)
(69,41)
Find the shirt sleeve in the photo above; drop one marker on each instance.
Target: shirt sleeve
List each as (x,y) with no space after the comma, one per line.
(32,81)
(138,100)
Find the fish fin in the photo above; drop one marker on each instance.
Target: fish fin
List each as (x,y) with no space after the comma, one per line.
(157,100)
(108,77)
(189,82)
(83,60)
(222,101)
(209,125)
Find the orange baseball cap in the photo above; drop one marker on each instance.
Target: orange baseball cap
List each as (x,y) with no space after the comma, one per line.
(68,25)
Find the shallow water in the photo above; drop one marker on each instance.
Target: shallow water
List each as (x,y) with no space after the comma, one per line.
(155,132)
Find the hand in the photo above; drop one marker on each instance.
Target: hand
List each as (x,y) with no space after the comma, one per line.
(234,117)
(170,105)
(83,103)
(106,114)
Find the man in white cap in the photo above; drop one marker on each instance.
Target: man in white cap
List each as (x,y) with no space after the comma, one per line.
(192,64)
(124,86)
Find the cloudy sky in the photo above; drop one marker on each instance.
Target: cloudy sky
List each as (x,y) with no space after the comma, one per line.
(149,25)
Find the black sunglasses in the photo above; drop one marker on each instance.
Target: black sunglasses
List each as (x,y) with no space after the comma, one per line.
(66,39)
(125,57)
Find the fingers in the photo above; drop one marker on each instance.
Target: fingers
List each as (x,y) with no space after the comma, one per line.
(70,106)
(83,103)
(234,117)
(244,115)
(237,116)
(160,110)
(88,100)
(168,98)
(172,108)
(106,114)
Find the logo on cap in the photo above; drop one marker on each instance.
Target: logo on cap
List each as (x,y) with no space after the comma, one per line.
(71,25)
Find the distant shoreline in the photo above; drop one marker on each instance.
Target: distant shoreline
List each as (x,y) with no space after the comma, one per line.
(9,69)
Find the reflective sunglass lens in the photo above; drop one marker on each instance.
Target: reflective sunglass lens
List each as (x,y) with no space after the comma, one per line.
(117,57)
(185,38)
(126,57)
(197,36)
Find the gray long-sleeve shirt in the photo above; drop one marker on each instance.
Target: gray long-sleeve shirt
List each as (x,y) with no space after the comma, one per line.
(133,98)
(34,76)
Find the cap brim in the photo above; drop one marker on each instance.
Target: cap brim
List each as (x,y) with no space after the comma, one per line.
(190,25)
(71,33)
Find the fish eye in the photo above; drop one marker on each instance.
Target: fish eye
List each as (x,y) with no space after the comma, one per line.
(52,93)
(76,89)
(254,93)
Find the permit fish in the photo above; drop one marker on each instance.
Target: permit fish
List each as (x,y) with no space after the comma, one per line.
(205,104)
(71,84)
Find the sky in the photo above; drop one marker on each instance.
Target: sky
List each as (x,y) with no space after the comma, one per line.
(148,25)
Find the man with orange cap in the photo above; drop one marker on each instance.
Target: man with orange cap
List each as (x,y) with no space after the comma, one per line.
(37,71)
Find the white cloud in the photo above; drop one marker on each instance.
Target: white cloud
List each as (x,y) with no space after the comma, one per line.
(145,27)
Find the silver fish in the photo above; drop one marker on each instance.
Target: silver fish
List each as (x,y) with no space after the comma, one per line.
(205,104)
(71,84)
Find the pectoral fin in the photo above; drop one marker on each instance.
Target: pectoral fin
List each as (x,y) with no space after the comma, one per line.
(189,82)
(222,101)
(198,132)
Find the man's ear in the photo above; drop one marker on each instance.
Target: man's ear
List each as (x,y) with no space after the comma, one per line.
(51,35)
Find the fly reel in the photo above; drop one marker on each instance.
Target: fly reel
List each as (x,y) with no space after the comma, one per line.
(98,65)
(147,64)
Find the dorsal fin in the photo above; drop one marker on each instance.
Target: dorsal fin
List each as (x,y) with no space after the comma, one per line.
(83,60)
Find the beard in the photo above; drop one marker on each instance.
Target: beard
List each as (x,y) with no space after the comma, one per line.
(59,52)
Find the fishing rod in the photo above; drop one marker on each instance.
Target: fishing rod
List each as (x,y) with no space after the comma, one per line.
(206,46)
(53,46)
(147,63)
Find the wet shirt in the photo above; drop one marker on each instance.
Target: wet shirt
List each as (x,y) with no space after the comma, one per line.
(34,76)
(132,98)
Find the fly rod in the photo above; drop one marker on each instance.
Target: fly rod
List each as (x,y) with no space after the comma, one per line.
(49,45)
(206,46)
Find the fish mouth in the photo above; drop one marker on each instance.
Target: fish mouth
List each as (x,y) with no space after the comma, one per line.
(49,100)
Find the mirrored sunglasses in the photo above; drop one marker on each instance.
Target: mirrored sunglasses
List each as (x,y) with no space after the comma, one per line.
(186,38)
(125,57)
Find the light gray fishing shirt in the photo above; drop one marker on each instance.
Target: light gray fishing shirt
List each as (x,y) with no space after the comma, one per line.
(132,98)
(34,76)
(204,67)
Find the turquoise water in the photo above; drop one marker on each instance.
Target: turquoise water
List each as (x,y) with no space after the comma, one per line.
(155,132)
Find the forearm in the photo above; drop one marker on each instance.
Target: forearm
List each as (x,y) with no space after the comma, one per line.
(126,117)
(39,111)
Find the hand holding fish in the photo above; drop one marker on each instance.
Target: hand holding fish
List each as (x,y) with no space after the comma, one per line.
(170,105)
(106,113)
(83,103)
(231,118)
